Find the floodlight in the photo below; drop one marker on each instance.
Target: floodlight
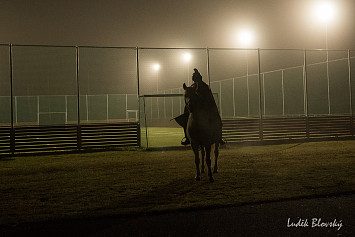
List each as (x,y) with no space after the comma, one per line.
(187,57)
(156,67)
(245,37)
(325,11)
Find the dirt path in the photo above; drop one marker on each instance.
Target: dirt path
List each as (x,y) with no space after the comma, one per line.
(269,219)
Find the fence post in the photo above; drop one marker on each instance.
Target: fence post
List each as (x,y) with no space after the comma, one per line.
(220,99)
(145,121)
(208,66)
(139,141)
(261,133)
(248,95)
(328,83)
(263,93)
(12,130)
(79,139)
(283,93)
(306,93)
(234,109)
(351,97)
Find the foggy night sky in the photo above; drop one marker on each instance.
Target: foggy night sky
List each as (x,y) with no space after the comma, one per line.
(173,23)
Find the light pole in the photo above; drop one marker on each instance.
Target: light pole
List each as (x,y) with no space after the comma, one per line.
(245,38)
(325,12)
(156,68)
(187,58)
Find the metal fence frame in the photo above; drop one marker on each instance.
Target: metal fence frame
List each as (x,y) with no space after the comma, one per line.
(138,50)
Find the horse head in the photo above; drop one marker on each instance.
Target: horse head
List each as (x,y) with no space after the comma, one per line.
(190,97)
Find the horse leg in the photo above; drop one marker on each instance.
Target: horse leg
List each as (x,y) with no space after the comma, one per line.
(203,153)
(197,162)
(216,153)
(208,161)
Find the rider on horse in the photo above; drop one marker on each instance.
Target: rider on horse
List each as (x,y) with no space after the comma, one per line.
(206,96)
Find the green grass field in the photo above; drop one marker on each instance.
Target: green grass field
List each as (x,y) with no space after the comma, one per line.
(162,137)
(135,181)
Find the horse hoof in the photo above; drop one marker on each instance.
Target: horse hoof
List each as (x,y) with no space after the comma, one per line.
(197,178)
(211,180)
(215,171)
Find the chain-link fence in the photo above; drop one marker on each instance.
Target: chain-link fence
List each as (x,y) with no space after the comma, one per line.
(61,86)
